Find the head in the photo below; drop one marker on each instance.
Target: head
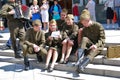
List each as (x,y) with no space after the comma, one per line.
(19,2)
(55,2)
(63,14)
(35,2)
(37,25)
(53,25)
(44,1)
(69,19)
(11,0)
(85,20)
(76,3)
(85,11)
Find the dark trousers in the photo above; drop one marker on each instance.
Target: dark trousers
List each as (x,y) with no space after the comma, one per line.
(16,31)
(85,44)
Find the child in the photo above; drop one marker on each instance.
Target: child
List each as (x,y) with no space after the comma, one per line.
(53,38)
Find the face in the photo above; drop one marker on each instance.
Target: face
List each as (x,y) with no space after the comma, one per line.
(69,21)
(63,16)
(53,27)
(55,2)
(12,0)
(35,2)
(86,22)
(43,1)
(36,27)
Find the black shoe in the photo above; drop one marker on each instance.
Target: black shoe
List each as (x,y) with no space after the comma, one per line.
(44,69)
(27,68)
(50,69)
(65,62)
(39,58)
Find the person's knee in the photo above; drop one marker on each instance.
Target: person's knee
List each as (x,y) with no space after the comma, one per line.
(85,39)
(70,43)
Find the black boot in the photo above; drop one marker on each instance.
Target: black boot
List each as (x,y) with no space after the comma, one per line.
(18,55)
(83,64)
(80,56)
(26,63)
(39,58)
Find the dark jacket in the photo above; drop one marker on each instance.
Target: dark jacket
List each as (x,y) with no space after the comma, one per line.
(33,37)
(52,43)
(70,31)
(95,33)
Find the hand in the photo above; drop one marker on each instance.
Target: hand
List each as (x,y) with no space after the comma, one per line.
(50,38)
(11,12)
(93,47)
(36,48)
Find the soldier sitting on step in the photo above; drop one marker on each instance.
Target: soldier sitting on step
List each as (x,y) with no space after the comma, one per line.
(34,42)
(92,42)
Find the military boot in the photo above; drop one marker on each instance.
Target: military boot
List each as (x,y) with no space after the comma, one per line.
(26,63)
(39,58)
(83,64)
(80,56)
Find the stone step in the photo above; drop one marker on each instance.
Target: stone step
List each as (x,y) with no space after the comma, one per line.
(100,59)
(38,73)
(92,69)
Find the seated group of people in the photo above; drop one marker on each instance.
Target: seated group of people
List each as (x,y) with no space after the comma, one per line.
(63,36)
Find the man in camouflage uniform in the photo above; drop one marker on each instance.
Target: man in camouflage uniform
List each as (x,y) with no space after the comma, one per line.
(34,42)
(92,43)
(15,26)
(61,21)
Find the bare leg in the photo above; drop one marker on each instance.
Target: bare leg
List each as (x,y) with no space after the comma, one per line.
(69,48)
(54,59)
(49,55)
(108,23)
(64,47)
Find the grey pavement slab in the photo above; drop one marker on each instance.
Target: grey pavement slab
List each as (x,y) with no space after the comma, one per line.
(12,71)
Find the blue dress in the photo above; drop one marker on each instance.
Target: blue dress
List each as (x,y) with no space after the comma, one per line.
(56,16)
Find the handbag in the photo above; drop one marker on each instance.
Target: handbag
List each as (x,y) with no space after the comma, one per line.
(115,17)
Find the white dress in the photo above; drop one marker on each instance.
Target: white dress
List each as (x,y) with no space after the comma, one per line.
(91,8)
(44,13)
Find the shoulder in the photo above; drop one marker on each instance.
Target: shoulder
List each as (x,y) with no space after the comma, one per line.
(97,24)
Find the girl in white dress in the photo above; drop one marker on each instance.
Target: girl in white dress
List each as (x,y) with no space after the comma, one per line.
(45,15)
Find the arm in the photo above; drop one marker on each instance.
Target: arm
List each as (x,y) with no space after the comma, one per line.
(101,40)
(42,42)
(75,32)
(27,38)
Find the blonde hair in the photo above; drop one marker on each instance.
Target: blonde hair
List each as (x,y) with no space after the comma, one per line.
(85,11)
(70,16)
(65,10)
(85,14)
(53,22)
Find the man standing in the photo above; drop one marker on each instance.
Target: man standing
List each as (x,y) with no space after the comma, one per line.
(92,43)
(91,8)
(34,42)
(15,26)
(117,9)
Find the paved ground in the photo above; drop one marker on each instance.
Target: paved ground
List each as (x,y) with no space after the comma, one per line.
(14,71)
